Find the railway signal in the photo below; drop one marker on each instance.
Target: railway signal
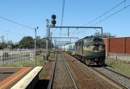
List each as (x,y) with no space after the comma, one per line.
(53,20)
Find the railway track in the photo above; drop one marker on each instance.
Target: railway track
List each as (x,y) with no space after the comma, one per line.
(69,73)
(120,79)
(85,77)
(61,75)
(123,75)
(116,77)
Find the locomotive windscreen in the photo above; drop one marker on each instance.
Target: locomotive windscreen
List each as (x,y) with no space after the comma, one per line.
(98,39)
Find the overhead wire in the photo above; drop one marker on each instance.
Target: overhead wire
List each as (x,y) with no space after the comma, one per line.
(105,14)
(112,14)
(8,31)
(16,22)
(62,15)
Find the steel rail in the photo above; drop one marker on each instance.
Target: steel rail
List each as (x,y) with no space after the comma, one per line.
(53,73)
(112,80)
(68,69)
(117,73)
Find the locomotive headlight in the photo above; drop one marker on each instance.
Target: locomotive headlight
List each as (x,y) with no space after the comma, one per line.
(96,43)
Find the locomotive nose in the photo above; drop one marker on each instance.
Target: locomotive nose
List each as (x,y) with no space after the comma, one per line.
(96,43)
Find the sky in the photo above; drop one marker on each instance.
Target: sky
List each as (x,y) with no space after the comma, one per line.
(33,13)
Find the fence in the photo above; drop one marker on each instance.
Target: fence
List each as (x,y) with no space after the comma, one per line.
(119,56)
(118,48)
(16,57)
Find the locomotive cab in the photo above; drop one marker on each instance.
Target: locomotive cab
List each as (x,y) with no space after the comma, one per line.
(92,50)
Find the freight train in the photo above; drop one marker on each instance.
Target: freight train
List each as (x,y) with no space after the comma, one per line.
(69,48)
(89,50)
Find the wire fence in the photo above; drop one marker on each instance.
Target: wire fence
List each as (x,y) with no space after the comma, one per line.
(17,58)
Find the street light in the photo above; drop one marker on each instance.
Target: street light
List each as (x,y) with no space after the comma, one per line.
(35,45)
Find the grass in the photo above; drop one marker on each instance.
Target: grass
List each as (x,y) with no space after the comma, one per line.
(124,67)
(27,62)
(40,59)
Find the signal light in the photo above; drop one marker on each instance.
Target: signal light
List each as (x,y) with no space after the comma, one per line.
(53,20)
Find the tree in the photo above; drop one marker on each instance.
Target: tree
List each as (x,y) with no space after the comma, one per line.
(44,42)
(26,42)
(41,43)
(105,35)
(3,45)
(10,44)
(16,45)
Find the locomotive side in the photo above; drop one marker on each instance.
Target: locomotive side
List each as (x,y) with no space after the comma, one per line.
(90,50)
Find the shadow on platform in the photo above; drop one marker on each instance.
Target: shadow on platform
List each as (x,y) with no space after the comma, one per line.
(42,84)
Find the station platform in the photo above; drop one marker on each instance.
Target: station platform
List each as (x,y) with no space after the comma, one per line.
(11,75)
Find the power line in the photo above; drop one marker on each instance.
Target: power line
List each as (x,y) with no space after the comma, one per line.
(107,12)
(8,31)
(62,17)
(112,14)
(109,16)
(16,22)
(63,7)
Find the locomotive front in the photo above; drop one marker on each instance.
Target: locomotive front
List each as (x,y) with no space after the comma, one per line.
(94,50)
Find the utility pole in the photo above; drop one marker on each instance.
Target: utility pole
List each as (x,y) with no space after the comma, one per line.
(51,40)
(47,38)
(2,39)
(35,45)
(3,50)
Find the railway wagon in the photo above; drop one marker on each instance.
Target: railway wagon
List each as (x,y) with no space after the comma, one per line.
(62,48)
(91,50)
(70,48)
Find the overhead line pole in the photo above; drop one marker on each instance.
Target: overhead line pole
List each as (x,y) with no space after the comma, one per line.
(48,26)
(74,27)
(93,27)
(47,38)
(66,37)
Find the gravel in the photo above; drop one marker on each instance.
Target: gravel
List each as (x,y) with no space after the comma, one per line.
(62,79)
(85,78)
(120,79)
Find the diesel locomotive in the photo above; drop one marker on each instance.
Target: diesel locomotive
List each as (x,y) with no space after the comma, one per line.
(90,50)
